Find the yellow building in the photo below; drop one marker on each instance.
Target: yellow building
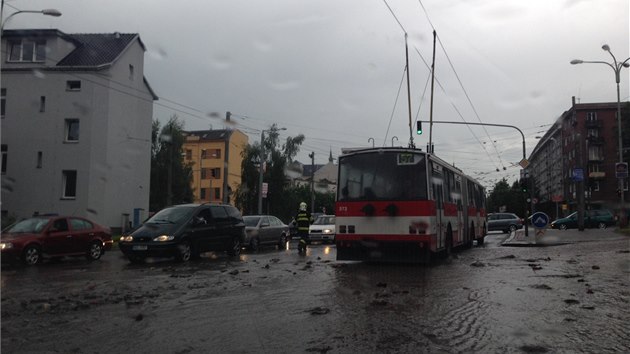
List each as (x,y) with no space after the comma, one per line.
(216,157)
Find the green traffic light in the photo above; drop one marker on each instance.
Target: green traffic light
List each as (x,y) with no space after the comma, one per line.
(419,128)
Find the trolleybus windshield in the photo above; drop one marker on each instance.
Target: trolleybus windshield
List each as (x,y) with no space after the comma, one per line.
(382,175)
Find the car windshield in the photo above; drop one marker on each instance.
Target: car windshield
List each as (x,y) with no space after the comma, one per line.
(33,225)
(324,220)
(251,221)
(172,215)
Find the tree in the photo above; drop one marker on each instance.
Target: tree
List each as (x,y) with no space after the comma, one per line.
(166,153)
(277,159)
(510,199)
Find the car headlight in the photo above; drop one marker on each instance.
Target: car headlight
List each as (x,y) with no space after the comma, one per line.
(328,231)
(163,238)
(6,245)
(126,239)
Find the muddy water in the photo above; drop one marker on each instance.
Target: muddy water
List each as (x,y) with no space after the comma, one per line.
(571,298)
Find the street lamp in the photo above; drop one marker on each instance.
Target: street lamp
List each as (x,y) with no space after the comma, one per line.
(47,12)
(260,177)
(616,66)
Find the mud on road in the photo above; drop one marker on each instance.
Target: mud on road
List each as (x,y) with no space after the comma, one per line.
(570,298)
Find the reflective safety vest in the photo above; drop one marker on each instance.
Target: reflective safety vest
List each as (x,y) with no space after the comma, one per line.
(303,220)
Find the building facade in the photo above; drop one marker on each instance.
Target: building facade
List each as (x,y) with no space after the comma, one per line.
(216,158)
(577,156)
(76,125)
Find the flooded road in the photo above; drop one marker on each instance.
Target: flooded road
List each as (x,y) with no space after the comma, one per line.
(560,299)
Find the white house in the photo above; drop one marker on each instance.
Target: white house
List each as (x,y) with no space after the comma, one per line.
(76,125)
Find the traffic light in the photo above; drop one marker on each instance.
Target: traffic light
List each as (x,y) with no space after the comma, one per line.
(419,127)
(524,185)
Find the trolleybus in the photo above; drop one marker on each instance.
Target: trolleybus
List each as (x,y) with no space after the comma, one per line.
(404,204)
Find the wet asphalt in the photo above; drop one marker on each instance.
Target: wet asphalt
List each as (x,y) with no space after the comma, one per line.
(567,298)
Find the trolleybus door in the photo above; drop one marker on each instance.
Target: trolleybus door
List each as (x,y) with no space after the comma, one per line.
(437,179)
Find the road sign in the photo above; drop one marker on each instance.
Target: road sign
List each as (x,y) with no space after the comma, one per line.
(524,163)
(577,174)
(524,173)
(540,220)
(556,198)
(621,169)
(265,188)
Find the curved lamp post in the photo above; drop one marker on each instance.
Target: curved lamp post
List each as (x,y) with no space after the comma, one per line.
(616,66)
(260,177)
(47,12)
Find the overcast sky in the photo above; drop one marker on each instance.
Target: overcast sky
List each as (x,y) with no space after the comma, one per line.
(332,69)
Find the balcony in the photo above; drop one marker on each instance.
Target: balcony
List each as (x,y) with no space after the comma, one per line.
(593,123)
(597,175)
(596,140)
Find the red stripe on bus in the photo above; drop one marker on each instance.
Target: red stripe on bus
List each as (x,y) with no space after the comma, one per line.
(402,208)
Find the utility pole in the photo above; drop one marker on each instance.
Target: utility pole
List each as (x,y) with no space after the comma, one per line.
(580,186)
(169,187)
(312,156)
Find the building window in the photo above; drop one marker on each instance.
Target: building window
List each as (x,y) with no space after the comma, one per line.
(73,85)
(69,184)
(591,116)
(5,155)
(27,50)
(72,130)
(217,193)
(202,194)
(216,153)
(593,167)
(4,102)
(593,133)
(595,153)
(42,104)
(131,70)
(216,173)
(205,173)
(188,154)
(39,159)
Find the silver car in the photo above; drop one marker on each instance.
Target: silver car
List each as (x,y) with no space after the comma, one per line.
(265,230)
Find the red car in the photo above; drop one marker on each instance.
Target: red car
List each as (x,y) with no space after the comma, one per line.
(54,236)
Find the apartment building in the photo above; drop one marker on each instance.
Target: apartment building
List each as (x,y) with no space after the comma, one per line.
(76,125)
(581,145)
(216,158)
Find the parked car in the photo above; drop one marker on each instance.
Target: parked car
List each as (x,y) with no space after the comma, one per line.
(506,222)
(592,218)
(185,231)
(265,230)
(32,239)
(322,229)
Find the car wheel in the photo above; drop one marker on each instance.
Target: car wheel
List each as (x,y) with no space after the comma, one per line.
(32,255)
(254,244)
(282,244)
(601,225)
(95,251)
(512,228)
(563,227)
(235,250)
(184,251)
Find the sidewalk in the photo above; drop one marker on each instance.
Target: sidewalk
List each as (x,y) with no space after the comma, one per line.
(551,237)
